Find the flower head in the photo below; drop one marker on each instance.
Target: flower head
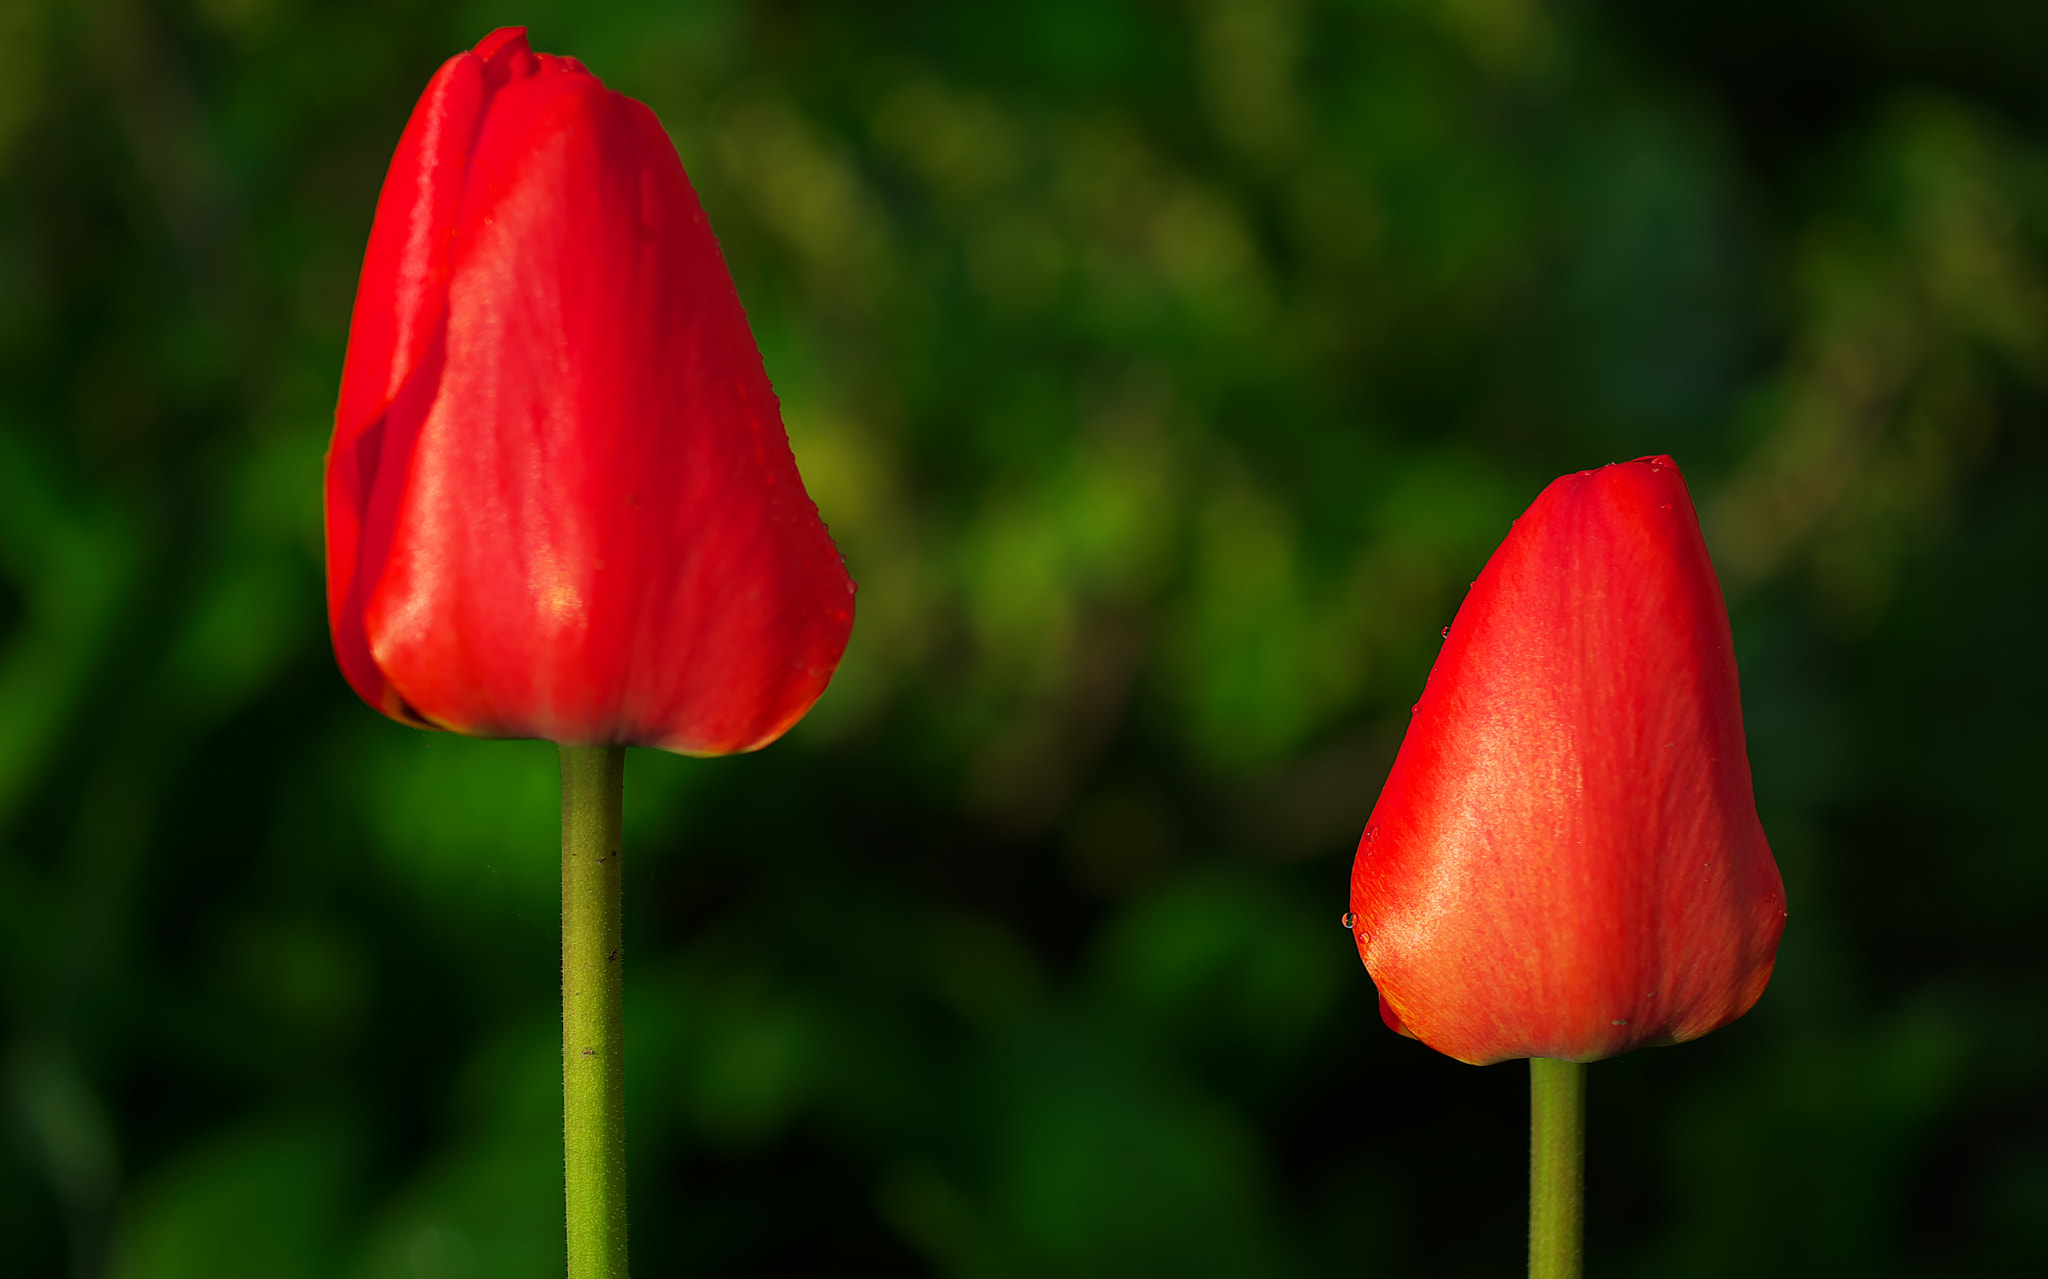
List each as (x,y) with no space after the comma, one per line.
(560,502)
(1566,859)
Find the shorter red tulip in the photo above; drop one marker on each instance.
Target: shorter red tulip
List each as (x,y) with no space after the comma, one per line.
(560,503)
(1566,859)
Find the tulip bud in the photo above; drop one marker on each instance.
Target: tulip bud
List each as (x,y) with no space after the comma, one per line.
(560,502)
(1566,859)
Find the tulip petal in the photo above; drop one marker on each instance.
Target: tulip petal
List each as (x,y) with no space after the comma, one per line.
(397,315)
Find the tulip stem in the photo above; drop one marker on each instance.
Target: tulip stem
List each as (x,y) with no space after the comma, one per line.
(593,1045)
(1557,1167)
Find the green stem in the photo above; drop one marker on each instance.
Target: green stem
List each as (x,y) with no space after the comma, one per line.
(1557,1167)
(593,1047)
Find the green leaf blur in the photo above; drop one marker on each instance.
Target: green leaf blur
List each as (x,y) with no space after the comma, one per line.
(1166,371)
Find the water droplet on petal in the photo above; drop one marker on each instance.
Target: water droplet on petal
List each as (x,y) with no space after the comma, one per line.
(1350,921)
(1447,632)
(1371,833)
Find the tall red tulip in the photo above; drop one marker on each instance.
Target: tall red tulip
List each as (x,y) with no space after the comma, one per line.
(1566,860)
(560,503)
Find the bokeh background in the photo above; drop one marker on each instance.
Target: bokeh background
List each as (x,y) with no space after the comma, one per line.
(1165,370)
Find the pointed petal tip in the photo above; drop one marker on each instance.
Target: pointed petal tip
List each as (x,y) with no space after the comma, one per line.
(490,46)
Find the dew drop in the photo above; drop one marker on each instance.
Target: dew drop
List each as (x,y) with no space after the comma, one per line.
(1350,921)
(1447,632)
(1371,833)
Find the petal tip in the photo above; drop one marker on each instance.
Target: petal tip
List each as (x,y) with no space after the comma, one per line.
(490,46)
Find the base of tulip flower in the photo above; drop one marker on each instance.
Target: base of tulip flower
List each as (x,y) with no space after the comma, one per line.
(593,1045)
(1557,1167)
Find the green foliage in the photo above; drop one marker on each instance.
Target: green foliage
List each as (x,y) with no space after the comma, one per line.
(1165,371)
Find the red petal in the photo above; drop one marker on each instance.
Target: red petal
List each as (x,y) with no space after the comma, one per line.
(398,312)
(1566,859)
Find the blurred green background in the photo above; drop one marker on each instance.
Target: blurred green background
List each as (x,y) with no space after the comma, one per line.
(1165,371)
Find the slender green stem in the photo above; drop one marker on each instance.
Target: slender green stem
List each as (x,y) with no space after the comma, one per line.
(1557,1167)
(593,1047)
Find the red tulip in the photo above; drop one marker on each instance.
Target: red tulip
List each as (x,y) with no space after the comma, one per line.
(1566,860)
(560,502)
